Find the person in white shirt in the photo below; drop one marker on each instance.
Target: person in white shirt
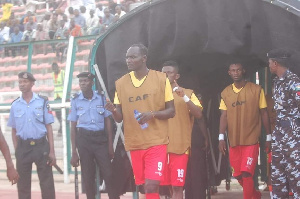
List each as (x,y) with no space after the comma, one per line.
(119,11)
(29,34)
(92,23)
(4,32)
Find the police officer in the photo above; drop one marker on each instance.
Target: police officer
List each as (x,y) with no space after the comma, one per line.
(32,135)
(91,134)
(286,136)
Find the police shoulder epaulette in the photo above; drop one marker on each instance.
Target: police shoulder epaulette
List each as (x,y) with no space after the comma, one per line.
(74,96)
(15,100)
(44,97)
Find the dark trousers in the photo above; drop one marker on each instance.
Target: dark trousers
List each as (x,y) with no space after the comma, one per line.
(34,151)
(93,148)
(196,179)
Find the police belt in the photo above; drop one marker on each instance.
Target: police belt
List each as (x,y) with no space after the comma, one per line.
(83,131)
(32,142)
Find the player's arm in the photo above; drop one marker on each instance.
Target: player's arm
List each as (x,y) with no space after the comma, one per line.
(195,106)
(11,171)
(167,113)
(116,109)
(265,119)
(169,110)
(222,129)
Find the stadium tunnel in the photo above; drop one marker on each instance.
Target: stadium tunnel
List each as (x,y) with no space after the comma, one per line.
(202,36)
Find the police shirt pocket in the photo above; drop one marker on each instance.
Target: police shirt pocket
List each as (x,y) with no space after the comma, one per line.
(100,116)
(39,115)
(101,110)
(19,117)
(82,117)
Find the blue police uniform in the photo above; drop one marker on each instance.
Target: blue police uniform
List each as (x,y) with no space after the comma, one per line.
(89,114)
(92,141)
(30,120)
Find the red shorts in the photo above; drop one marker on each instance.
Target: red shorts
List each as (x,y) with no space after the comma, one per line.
(148,163)
(243,158)
(175,170)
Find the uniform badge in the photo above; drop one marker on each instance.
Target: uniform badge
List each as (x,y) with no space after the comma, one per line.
(49,108)
(297,88)
(25,76)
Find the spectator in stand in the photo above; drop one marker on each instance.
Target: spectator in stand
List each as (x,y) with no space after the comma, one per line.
(6,10)
(31,5)
(70,12)
(61,47)
(108,18)
(52,26)
(60,30)
(84,12)
(41,35)
(25,18)
(29,34)
(92,23)
(75,30)
(89,4)
(112,7)
(31,22)
(45,21)
(119,11)
(15,23)
(4,32)
(67,21)
(100,11)
(15,37)
(79,19)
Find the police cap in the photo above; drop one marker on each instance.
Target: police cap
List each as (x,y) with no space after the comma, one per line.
(86,74)
(26,75)
(279,53)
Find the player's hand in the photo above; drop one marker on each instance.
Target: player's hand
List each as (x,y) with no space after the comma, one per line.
(75,160)
(12,175)
(110,106)
(51,159)
(222,146)
(144,117)
(179,91)
(268,147)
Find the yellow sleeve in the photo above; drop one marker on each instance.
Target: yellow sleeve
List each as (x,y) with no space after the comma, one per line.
(223,105)
(262,100)
(168,91)
(195,100)
(116,99)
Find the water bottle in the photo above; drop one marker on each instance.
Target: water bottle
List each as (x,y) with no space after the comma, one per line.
(136,114)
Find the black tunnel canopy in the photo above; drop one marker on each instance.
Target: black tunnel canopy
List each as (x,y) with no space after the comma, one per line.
(202,35)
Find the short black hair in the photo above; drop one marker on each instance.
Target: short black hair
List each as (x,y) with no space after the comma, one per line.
(172,63)
(54,64)
(143,49)
(281,55)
